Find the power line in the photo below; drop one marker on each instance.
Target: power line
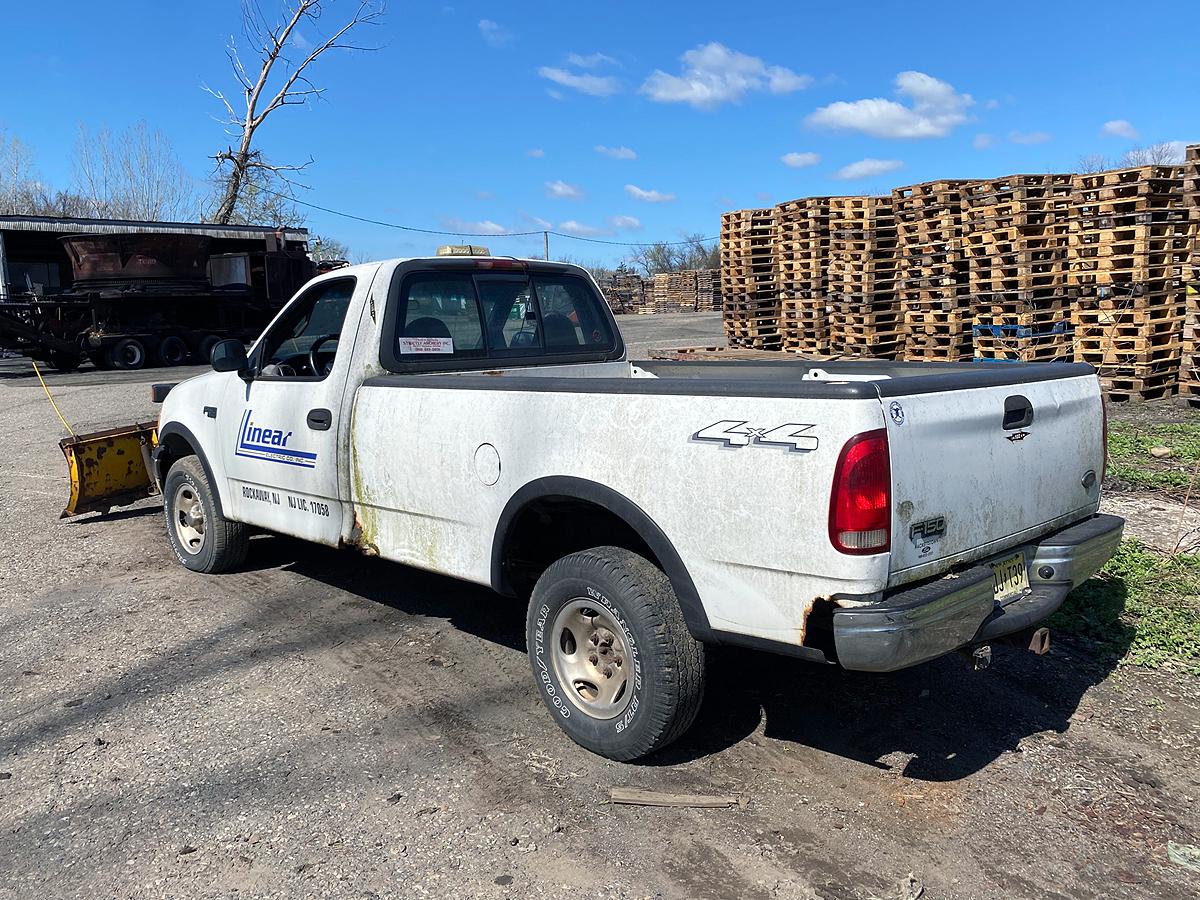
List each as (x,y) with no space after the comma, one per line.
(505,234)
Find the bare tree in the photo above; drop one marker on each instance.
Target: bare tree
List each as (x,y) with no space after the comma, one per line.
(1166,154)
(134,175)
(693,252)
(1092,163)
(284,58)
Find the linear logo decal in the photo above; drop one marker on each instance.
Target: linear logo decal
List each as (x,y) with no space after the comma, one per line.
(270,445)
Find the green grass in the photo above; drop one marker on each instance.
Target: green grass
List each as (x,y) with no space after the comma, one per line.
(1129,456)
(1143,608)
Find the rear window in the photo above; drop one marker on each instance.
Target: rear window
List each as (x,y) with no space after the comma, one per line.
(444,317)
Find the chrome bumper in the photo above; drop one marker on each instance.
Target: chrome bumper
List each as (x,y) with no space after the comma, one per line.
(919,623)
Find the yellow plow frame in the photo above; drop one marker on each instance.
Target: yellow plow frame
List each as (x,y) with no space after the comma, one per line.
(110,468)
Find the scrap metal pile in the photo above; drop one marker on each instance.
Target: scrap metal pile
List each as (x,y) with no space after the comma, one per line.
(1091,267)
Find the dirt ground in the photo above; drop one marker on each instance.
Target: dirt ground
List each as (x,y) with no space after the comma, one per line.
(322,723)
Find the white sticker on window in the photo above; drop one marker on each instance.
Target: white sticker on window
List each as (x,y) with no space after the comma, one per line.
(426,345)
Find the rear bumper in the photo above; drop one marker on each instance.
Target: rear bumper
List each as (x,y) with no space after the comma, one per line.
(920,623)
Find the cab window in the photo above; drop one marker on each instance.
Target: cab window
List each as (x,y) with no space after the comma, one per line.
(307,335)
(439,319)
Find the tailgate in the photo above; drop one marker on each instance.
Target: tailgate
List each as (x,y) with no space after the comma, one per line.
(977,469)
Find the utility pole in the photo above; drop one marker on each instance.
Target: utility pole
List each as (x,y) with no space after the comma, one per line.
(546,244)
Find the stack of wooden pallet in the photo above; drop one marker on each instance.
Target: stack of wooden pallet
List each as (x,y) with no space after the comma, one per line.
(1189,372)
(625,292)
(802,275)
(675,291)
(708,290)
(1017,240)
(748,279)
(933,271)
(1129,241)
(866,319)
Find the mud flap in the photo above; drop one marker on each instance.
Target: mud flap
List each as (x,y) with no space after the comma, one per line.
(110,468)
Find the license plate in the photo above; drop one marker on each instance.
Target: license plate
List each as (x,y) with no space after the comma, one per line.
(1009,576)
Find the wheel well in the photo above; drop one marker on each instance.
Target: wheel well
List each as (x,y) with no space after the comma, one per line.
(172,448)
(551,527)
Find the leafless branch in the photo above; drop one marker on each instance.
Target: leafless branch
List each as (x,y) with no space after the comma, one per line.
(282,80)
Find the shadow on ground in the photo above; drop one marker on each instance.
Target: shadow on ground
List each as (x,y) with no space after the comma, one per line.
(949,721)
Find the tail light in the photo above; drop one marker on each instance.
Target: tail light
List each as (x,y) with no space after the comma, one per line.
(1104,437)
(860,508)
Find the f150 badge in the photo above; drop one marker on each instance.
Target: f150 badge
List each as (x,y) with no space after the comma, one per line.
(735,434)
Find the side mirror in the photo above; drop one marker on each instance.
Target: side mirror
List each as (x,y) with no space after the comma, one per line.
(229,356)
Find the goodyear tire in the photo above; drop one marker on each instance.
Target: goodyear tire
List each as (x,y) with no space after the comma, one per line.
(611,655)
(203,539)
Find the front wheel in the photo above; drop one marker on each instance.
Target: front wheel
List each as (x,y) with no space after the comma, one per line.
(203,539)
(611,653)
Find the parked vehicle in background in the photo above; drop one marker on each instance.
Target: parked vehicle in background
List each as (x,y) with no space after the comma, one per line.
(137,298)
(478,417)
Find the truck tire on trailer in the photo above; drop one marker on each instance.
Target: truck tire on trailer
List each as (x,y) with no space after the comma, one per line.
(172,351)
(128,354)
(203,539)
(205,348)
(611,654)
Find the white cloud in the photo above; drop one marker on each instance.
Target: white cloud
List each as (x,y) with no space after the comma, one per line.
(713,74)
(536,152)
(487,226)
(615,152)
(1028,137)
(572,227)
(591,61)
(867,168)
(537,222)
(991,104)
(553,94)
(596,85)
(983,141)
(563,191)
(495,34)
(486,195)
(936,109)
(1121,128)
(800,160)
(652,196)
(625,223)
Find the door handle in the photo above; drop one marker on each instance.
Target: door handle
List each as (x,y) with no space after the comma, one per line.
(320,419)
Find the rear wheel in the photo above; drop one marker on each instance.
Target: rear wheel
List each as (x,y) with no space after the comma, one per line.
(611,654)
(203,539)
(173,351)
(128,354)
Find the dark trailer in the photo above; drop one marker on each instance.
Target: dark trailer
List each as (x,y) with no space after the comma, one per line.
(128,294)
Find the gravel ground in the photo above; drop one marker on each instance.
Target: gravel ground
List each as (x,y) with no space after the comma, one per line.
(322,723)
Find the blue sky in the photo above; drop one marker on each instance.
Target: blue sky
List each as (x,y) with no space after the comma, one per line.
(480,116)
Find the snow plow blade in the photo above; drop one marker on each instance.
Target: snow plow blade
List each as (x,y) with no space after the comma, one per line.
(110,468)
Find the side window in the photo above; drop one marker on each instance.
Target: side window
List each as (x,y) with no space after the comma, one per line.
(439,317)
(509,314)
(571,322)
(308,333)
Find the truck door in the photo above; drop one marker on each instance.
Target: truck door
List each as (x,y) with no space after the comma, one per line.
(279,430)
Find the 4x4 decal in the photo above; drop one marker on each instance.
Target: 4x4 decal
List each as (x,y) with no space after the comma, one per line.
(736,434)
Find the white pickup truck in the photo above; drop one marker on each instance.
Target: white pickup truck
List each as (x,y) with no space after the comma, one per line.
(478,417)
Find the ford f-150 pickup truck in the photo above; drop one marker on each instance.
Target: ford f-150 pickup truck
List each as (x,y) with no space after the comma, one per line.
(479,417)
